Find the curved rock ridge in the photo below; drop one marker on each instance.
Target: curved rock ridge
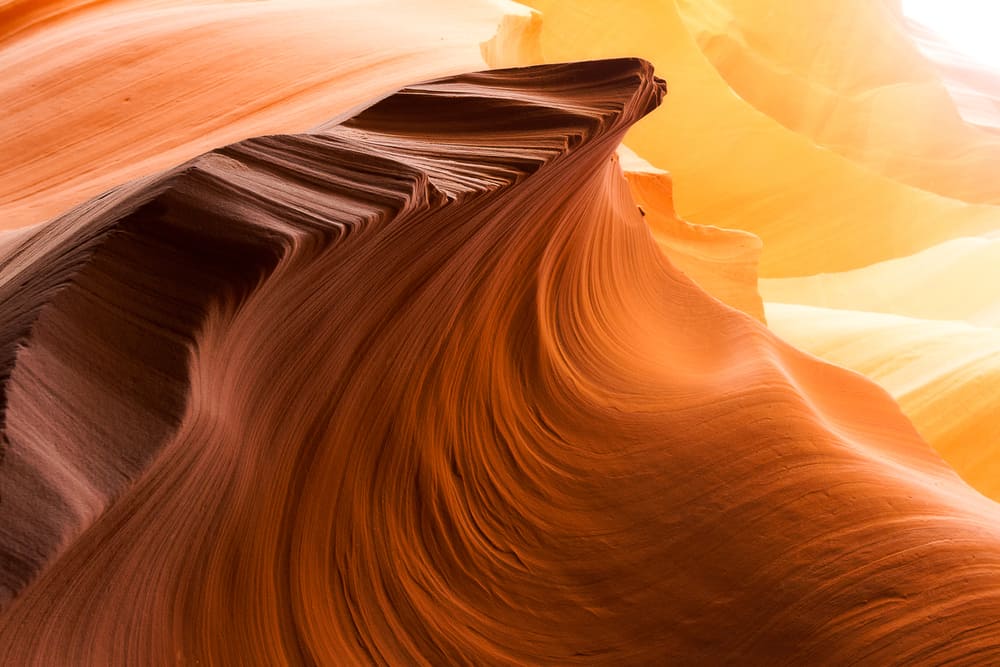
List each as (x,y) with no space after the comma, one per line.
(98,92)
(826,130)
(448,402)
(101,306)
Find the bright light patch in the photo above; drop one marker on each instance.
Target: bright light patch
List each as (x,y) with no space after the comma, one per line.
(969,26)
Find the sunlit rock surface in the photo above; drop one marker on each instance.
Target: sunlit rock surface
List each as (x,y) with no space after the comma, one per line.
(824,129)
(301,368)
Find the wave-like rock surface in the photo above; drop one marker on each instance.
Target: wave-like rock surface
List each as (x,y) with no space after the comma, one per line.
(98,92)
(925,365)
(421,388)
(827,130)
